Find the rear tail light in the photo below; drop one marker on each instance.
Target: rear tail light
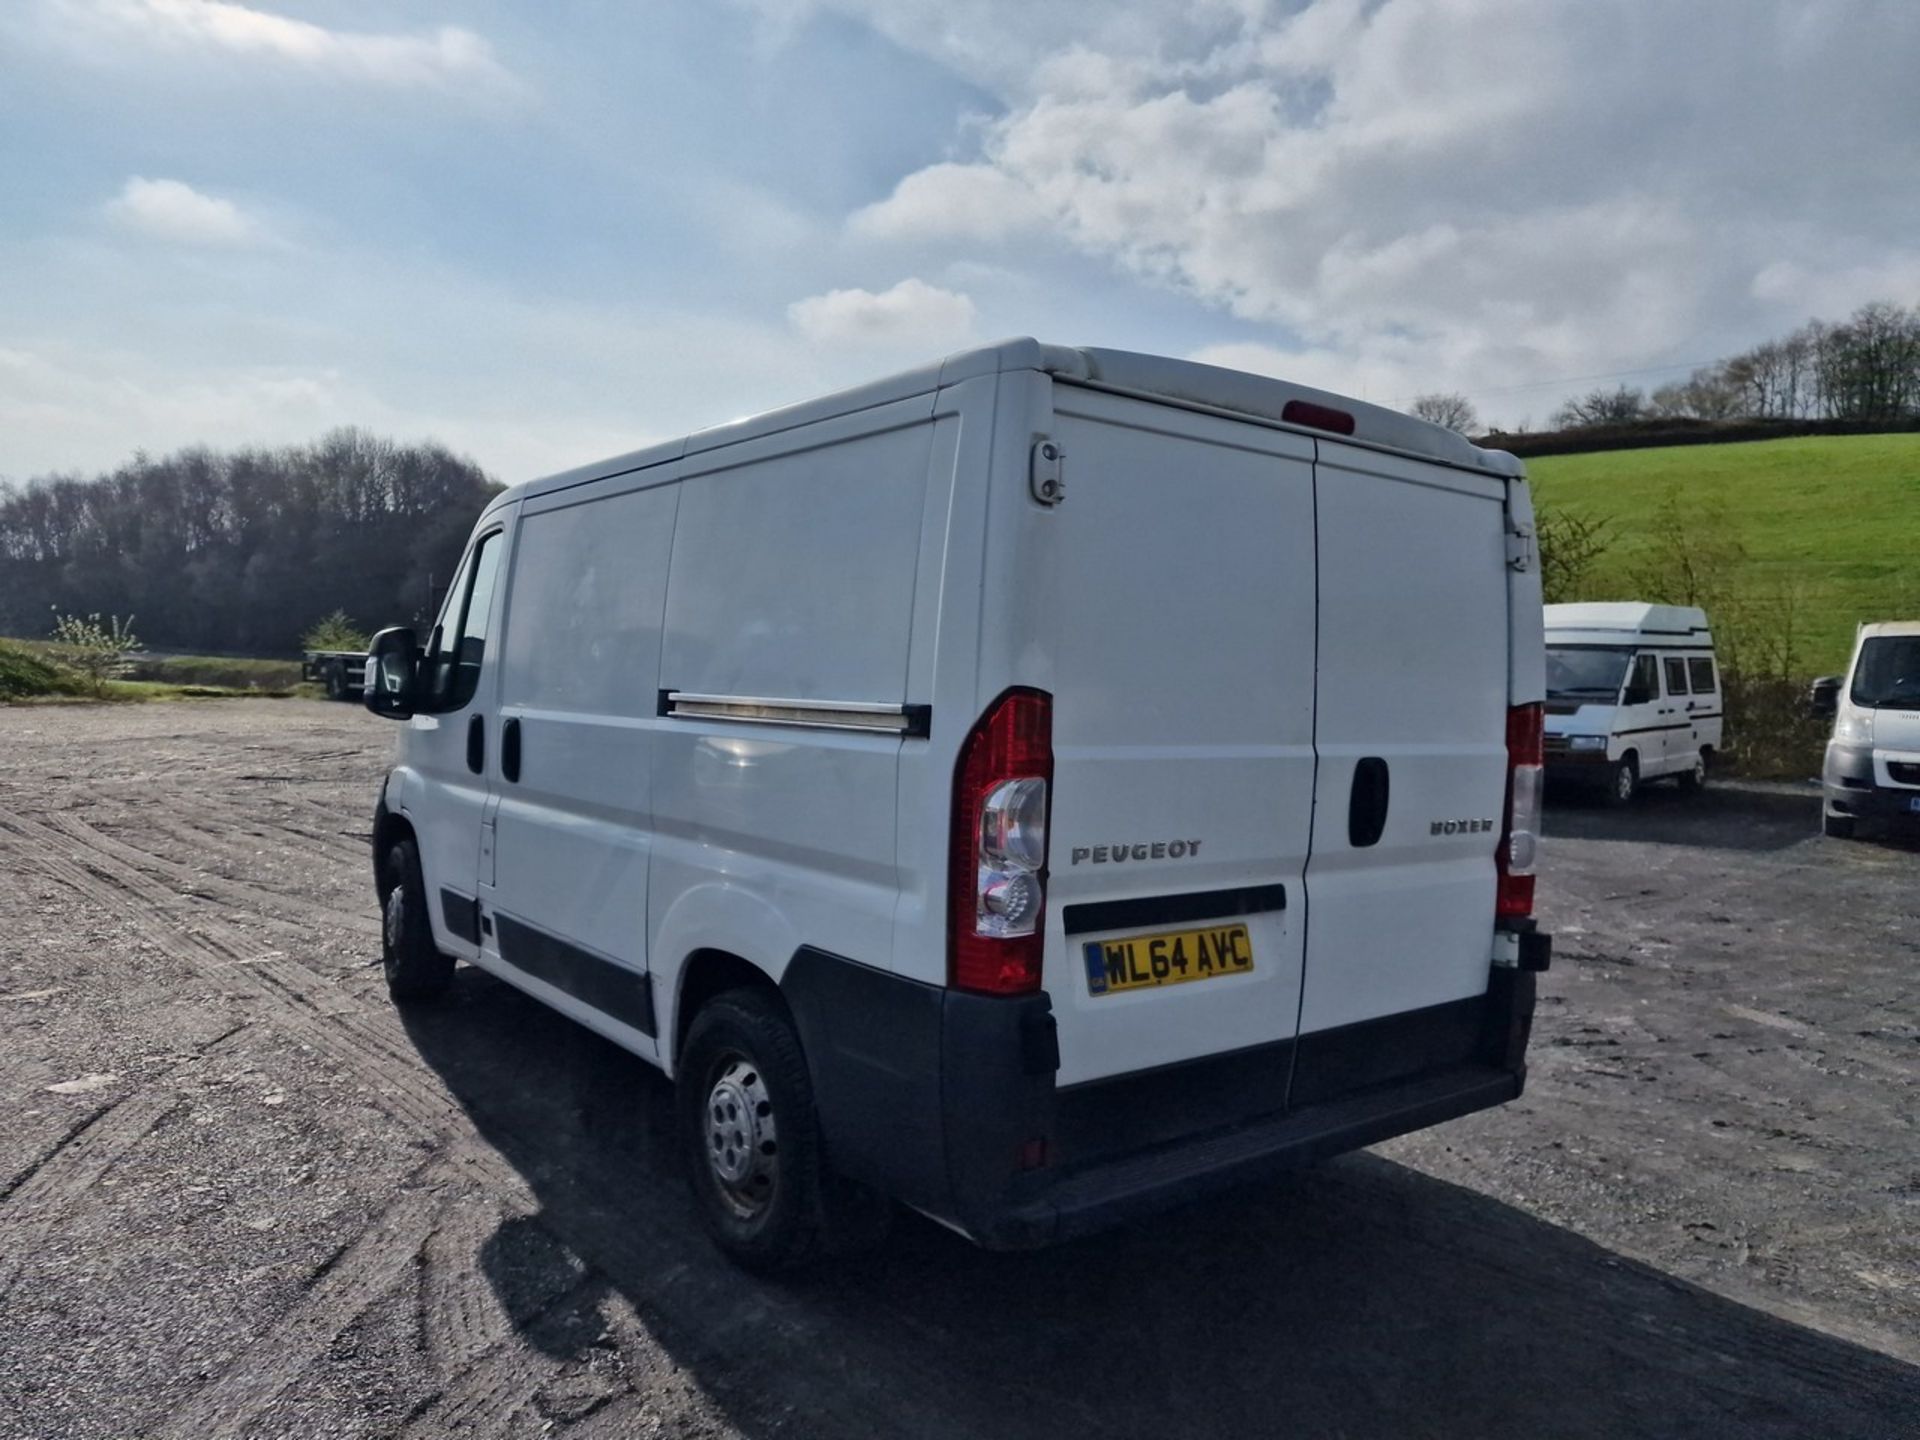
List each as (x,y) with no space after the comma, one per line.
(1520,831)
(997,876)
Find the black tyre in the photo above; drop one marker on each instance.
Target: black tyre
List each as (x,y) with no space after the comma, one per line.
(336,680)
(415,967)
(1623,781)
(1837,827)
(752,1143)
(1695,780)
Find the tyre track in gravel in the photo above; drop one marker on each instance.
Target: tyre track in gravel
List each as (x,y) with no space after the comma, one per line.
(493,1377)
(39,1198)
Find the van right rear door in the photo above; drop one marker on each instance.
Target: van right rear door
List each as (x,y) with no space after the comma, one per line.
(1182,636)
(1410,728)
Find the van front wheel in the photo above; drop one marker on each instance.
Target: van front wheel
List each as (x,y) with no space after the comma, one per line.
(752,1144)
(416,968)
(1622,781)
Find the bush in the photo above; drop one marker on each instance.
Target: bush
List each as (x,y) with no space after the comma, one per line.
(334,632)
(25,673)
(97,648)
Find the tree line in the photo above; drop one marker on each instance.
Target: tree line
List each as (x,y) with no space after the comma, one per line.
(240,551)
(1863,370)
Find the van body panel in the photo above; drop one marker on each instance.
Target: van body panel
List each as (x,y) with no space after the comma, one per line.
(1872,767)
(563,863)
(740,669)
(445,796)
(1659,697)
(1406,551)
(1181,639)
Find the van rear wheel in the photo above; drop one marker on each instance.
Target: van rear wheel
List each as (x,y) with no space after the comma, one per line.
(755,1161)
(1622,781)
(415,967)
(1694,780)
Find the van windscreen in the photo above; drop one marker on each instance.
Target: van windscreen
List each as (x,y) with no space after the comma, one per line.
(1586,672)
(1889,672)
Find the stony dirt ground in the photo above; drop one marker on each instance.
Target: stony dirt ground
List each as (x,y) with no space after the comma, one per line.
(240,1195)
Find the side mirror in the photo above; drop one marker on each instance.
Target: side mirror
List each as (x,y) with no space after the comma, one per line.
(1823,696)
(1637,695)
(393,666)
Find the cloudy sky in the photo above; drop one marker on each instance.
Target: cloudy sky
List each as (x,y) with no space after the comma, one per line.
(545,232)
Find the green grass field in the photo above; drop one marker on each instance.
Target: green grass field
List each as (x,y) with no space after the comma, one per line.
(30,673)
(1833,520)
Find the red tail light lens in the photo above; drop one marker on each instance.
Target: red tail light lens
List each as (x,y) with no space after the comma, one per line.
(997,873)
(1520,831)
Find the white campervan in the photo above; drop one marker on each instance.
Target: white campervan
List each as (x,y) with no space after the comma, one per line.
(1633,693)
(1034,788)
(1873,760)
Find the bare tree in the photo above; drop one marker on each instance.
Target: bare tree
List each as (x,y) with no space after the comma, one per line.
(1448,408)
(1570,546)
(1601,407)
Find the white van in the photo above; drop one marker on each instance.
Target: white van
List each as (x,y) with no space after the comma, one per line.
(1633,693)
(1873,760)
(1035,788)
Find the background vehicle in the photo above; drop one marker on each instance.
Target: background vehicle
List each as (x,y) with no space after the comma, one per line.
(1872,768)
(936,780)
(1633,694)
(343,672)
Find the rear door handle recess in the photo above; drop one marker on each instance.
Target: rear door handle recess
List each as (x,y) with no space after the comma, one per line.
(476,744)
(510,749)
(1367,805)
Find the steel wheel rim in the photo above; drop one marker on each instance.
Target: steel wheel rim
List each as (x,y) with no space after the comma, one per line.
(740,1136)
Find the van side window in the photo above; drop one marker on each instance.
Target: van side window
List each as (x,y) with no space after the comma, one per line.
(1676,675)
(1702,672)
(1644,679)
(460,639)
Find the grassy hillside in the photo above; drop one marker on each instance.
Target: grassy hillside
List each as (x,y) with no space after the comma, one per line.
(1834,520)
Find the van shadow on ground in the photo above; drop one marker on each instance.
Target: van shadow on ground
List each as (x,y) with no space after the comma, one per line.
(1362,1298)
(1721,817)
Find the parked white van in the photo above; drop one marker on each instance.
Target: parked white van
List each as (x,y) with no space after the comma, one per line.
(1873,760)
(1034,788)
(1633,693)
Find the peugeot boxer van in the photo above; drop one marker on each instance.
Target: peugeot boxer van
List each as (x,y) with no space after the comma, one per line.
(1036,788)
(1873,760)
(1633,694)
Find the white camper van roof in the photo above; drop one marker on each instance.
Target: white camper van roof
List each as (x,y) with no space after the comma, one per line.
(1627,622)
(1180,382)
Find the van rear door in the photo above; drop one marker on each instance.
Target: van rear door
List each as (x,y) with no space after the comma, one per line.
(1410,727)
(1182,633)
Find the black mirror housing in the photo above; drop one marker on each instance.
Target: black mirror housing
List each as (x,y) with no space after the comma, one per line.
(1823,696)
(393,669)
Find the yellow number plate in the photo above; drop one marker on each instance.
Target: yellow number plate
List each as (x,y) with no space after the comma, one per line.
(1147,961)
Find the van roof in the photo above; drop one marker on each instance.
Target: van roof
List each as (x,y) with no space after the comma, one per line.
(1182,382)
(1615,621)
(1889,627)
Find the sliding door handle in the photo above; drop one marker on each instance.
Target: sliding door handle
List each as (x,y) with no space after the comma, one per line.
(510,750)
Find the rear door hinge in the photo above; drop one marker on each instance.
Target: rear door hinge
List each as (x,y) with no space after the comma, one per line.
(1047,476)
(1521,548)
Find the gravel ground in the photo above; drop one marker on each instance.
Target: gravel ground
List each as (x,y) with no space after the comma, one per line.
(240,1195)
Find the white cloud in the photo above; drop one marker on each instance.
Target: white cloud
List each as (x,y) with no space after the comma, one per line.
(1428,194)
(173,210)
(446,57)
(912,314)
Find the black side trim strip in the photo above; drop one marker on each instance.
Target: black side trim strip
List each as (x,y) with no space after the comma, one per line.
(1173,909)
(463,914)
(1656,729)
(608,986)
